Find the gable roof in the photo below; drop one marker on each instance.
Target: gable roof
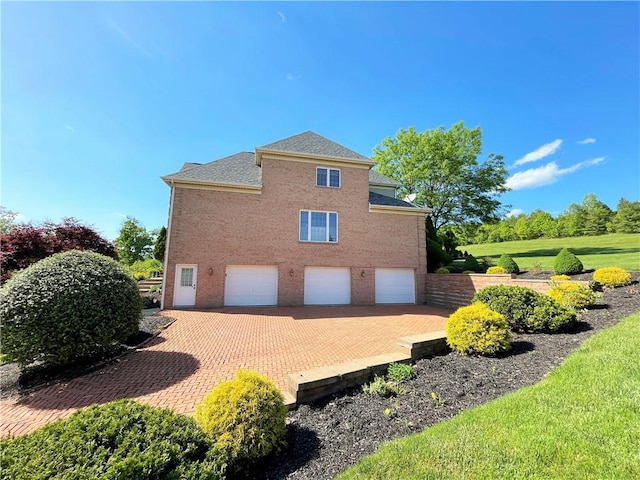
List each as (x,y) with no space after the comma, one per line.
(311,143)
(237,169)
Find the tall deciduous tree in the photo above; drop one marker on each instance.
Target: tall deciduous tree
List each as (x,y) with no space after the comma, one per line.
(134,242)
(441,168)
(7,220)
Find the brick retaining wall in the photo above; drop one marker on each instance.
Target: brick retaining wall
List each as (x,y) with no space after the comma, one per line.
(455,290)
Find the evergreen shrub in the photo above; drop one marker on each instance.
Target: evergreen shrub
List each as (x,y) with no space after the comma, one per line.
(478,329)
(566,263)
(612,277)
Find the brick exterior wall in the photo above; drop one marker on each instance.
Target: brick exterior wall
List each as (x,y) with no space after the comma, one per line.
(456,290)
(213,229)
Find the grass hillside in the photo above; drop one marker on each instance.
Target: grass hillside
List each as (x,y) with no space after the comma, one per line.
(615,250)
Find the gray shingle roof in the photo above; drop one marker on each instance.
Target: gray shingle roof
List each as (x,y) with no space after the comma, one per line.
(377,199)
(238,169)
(377,178)
(310,142)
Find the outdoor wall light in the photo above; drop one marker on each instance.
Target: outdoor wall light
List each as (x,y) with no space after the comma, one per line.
(291,272)
(210,270)
(362,274)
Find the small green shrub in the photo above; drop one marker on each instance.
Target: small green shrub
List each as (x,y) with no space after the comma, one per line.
(468,271)
(560,278)
(70,305)
(137,276)
(442,270)
(470,263)
(550,316)
(566,263)
(572,294)
(612,277)
(117,440)
(518,305)
(143,269)
(478,329)
(381,387)
(496,271)
(245,417)
(508,263)
(399,372)
(436,255)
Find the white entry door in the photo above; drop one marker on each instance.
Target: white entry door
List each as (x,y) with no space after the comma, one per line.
(184,294)
(327,286)
(395,285)
(247,285)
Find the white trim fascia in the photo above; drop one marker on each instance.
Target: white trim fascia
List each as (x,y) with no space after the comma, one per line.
(166,249)
(311,158)
(398,210)
(204,185)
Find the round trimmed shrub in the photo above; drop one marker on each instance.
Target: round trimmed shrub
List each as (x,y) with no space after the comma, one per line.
(566,263)
(496,271)
(572,294)
(470,263)
(245,417)
(560,278)
(121,439)
(70,305)
(508,263)
(612,277)
(442,270)
(526,310)
(478,329)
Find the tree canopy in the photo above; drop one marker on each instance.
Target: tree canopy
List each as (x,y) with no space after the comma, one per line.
(441,168)
(134,242)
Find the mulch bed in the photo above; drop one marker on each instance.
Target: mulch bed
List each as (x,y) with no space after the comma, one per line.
(327,437)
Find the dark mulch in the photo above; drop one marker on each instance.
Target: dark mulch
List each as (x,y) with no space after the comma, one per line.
(329,436)
(14,381)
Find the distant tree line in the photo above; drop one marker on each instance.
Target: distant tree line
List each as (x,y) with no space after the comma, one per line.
(591,217)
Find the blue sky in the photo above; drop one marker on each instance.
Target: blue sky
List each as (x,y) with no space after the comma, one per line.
(101,99)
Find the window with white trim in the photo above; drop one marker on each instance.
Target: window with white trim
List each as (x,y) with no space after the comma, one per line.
(318,226)
(327,177)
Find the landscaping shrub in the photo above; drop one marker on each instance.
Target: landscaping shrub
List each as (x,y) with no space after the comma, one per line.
(67,306)
(518,305)
(560,278)
(572,294)
(443,270)
(143,269)
(399,372)
(496,270)
(612,277)
(508,263)
(566,263)
(381,387)
(245,417)
(478,329)
(117,440)
(470,263)
(436,255)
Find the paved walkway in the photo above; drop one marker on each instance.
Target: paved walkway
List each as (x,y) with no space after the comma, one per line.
(200,349)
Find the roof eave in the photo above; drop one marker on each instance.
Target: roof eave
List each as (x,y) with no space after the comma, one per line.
(178,181)
(399,210)
(315,156)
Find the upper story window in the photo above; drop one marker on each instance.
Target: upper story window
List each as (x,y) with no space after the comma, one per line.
(318,226)
(327,177)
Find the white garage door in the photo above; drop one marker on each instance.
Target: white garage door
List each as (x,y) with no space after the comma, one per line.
(250,285)
(327,286)
(395,285)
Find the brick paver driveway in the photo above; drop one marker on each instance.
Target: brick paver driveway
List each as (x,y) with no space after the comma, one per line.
(200,349)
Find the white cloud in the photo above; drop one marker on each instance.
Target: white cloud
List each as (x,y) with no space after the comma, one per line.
(587,140)
(545,175)
(293,76)
(542,152)
(514,212)
(282,17)
(69,128)
(114,26)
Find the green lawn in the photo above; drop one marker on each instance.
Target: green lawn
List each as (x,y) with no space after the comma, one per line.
(581,422)
(616,250)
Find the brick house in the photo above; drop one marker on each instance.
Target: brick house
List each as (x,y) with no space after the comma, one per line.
(302,221)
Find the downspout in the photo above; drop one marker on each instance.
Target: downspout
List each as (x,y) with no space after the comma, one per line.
(167,245)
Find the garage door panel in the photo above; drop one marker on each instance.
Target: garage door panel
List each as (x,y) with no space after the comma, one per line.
(395,285)
(327,286)
(248,285)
